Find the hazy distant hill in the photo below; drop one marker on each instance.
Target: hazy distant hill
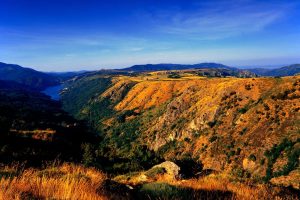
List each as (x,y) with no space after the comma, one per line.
(156,67)
(26,76)
(283,71)
(66,75)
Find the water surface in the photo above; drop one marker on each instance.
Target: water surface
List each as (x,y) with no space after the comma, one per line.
(53,92)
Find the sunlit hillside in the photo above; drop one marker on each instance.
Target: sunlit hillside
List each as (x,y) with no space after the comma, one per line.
(248,127)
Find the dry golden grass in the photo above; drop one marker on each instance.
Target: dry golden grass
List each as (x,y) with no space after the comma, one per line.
(210,187)
(70,182)
(63,182)
(239,190)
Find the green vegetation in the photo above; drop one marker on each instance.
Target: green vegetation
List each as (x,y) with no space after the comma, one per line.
(81,92)
(252,157)
(174,75)
(213,138)
(273,154)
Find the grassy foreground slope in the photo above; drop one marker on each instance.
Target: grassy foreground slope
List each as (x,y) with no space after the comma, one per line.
(69,181)
(249,128)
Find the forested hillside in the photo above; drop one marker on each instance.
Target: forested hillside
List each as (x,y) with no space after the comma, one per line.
(34,129)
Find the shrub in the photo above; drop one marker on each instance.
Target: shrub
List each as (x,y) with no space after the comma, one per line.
(88,155)
(187,139)
(237,172)
(231,153)
(266,106)
(252,157)
(243,131)
(188,167)
(248,87)
(174,75)
(213,138)
(243,110)
(212,124)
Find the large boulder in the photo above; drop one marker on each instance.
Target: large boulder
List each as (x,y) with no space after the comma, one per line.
(166,170)
(170,168)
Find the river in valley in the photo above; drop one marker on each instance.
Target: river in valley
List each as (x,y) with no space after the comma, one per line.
(53,92)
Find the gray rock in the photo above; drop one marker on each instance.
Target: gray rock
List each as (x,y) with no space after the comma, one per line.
(171,168)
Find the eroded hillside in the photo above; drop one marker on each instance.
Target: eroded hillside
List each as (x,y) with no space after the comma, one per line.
(246,127)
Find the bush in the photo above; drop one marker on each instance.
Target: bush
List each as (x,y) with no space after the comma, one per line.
(187,140)
(243,131)
(243,110)
(252,157)
(240,172)
(188,167)
(212,124)
(213,138)
(88,155)
(174,75)
(248,87)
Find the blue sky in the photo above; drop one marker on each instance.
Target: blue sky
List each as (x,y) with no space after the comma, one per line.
(62,35)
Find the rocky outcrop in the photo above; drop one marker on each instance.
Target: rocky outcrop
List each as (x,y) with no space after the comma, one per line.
(171,168)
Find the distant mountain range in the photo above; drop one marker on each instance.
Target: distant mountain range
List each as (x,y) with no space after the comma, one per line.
(26,76)
(40,80)
(157,67)
(66,75)
(283,71)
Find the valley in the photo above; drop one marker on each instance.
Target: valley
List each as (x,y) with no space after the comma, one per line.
(149,100)
(230,135)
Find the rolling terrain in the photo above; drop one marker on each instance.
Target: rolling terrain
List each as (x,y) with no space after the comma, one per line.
(245,127)
(227,136)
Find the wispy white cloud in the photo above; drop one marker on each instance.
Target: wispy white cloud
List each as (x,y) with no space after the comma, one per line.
(220,20)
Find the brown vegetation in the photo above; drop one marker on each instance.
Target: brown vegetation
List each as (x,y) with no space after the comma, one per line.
(63,182)
(68,181)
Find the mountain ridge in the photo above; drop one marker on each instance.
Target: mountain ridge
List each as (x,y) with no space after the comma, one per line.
(170,66)
(289,70)
(26,76)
